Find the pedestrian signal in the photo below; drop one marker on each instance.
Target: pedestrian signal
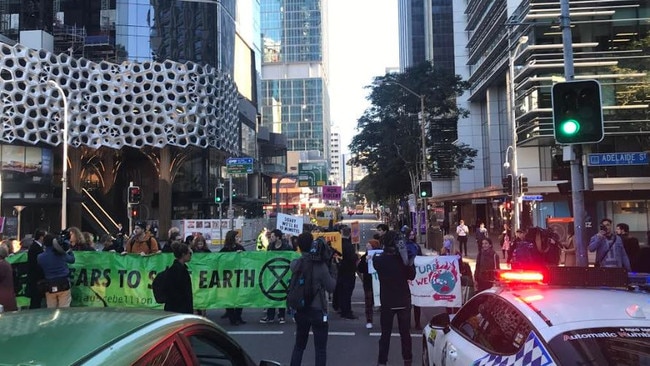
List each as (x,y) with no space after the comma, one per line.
(218,195)
(507,185)
(135,195)
(426,189)
(577,112)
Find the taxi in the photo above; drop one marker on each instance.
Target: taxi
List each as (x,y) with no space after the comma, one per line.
(115,336)
(558,316)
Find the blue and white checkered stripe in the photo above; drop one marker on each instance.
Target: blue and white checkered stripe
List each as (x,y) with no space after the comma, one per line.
(532,353)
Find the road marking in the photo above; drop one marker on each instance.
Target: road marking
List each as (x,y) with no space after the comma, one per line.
(377,334)
(340,333)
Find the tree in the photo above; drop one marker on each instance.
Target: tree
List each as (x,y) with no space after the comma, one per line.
(389,140)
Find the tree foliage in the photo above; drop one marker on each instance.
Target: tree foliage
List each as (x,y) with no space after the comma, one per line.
(388,141)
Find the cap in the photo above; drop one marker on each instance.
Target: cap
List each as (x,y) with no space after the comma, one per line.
(141,224)
(404,228)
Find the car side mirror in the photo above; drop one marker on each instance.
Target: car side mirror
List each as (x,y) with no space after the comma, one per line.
(440,321)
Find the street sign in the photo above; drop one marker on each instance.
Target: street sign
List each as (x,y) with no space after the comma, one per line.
(535,197)
(239,165)
(622,158)
(312,174)
(332,193)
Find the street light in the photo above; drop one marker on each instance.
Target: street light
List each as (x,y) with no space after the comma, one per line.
(425,173)
(19,209)
(513,124)
(64,177)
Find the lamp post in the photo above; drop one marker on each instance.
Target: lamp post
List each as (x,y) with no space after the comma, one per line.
(513,125)
(64,175)
(19,209)
(425,173)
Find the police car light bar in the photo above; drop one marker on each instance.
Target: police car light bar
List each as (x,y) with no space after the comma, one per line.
(520,277)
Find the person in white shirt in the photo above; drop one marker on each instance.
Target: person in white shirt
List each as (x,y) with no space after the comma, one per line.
(461,232)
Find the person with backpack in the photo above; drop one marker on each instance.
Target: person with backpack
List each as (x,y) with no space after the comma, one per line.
(313,315)
(177,281)
(394,273)
(141,241)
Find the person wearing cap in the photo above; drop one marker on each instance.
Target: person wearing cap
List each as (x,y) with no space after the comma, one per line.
(141,241)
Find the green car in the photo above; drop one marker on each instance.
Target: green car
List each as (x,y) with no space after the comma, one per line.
(115,336)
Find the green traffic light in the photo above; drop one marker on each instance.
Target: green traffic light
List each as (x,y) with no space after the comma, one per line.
(423,194)
(570,127)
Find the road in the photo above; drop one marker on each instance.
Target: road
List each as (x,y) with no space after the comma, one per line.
(349,342)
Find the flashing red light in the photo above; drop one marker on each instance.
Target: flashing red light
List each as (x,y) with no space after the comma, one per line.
(522,277)
(508,205)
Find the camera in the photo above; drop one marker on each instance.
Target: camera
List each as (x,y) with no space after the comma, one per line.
(63,240)
(603,228)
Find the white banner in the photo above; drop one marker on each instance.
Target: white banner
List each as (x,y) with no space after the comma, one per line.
(289,224)
(436,283)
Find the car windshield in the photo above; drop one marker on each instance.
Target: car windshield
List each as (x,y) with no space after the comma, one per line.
(603,346)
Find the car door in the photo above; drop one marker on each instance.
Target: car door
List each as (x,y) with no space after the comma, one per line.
(213,347)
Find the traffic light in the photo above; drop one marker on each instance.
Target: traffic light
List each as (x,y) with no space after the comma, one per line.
(426,189)
(134,212)
(577,112)
(507,185)
(507,205)
(135,195)
(523,184)
(218,195)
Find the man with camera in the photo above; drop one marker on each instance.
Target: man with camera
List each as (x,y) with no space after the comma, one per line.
(609,248)
(54,262)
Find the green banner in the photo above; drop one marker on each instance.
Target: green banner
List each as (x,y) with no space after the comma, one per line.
(219,280)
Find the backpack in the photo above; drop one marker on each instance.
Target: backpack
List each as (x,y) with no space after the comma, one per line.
(300,292)
(159,287)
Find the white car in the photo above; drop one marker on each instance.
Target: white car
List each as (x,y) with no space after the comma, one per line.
(576,316)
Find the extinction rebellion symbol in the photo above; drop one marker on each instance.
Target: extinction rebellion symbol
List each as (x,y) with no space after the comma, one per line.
(274,279)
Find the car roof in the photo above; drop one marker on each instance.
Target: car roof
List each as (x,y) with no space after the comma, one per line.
(70,335)
(548,306)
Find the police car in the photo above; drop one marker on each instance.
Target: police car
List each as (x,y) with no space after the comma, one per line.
(559,316)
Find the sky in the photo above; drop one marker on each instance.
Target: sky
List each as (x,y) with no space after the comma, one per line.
(363,42)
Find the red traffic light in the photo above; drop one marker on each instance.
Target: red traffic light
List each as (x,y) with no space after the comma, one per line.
(507,205)
(134,213)
(135,195)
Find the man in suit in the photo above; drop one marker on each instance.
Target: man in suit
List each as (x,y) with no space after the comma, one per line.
(34,271)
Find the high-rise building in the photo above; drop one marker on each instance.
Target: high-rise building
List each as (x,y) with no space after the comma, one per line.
(295,99)
(335,157)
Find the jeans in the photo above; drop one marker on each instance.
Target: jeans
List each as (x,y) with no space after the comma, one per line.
(305,319)
(403,325)
(270,313)
(462,243)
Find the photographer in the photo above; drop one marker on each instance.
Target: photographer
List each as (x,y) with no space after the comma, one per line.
(609,248)
(54,262)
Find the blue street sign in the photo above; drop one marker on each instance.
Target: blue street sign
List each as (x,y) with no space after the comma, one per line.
(239,165)
(534,197)
(239,161)
(622,158)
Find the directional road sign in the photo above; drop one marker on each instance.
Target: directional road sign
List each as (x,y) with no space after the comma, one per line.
(620,158)
(312,174)
(533,197)
(239,165)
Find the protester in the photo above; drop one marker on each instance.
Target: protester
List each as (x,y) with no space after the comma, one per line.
(141,241)
(395,297)
(113,245)
(173,234)
(262,241)
(34,271)
(569,248)
(199,245)
(232,244)
(54,261)
(631,245)
(346,277)
(462,231)
(609,248)
(178,283)
(447,245)
(314,316)
(505,240)
(276,243)
(414,249)
(366,280)
(487,262)
(77,240)
(7,293)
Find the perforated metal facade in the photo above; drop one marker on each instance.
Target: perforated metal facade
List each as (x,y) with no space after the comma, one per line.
(114,105)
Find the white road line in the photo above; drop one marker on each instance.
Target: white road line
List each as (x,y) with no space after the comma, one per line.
(377,334)
(259,332)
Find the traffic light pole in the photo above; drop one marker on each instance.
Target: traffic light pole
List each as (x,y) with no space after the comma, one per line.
(577,194)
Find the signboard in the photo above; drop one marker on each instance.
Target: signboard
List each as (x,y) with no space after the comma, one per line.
(312,174)
(536,197)
(239,165)
(332,193)
(355,232)
(289,224)
(623,158)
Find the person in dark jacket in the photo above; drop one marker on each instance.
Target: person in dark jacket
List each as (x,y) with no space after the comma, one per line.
(395,297)
(178,282)
(366,278)
(346,277)
(487,263)
(276,243)
(54,261)
(232,244)
(34,271)
(315,315)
